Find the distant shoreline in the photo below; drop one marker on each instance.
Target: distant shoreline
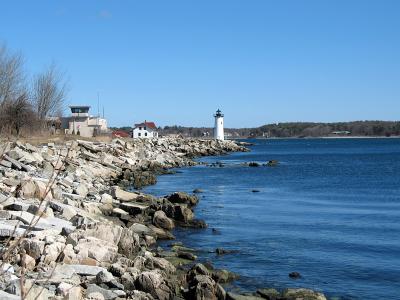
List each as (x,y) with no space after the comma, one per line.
(317,137)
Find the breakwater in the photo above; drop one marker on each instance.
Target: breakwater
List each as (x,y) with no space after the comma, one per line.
(70,230)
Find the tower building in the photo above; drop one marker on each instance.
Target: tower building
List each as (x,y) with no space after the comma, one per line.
(219,125)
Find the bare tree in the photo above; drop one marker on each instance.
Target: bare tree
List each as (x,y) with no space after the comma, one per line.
(12,78)
(49,92)
(17,114)
(14,99)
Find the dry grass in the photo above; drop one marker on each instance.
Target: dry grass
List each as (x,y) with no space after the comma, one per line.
(39,139)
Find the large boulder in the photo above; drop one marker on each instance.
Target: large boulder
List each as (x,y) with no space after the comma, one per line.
(233,296)
(183,198)
(107,293)
(183,213)
(152,282)
(27,189)
(118,193)
(112,238)
(100,250)
(161,220)
(34,189)
(303,294)
(81,190)
(129,243)
(202,287)
(270,293)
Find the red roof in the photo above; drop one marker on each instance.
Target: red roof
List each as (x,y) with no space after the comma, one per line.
(121,133)
(151,125)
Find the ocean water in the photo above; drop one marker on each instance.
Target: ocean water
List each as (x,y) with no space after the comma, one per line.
(330,211)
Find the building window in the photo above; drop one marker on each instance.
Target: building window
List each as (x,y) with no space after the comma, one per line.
(145,128)
(145,134)
(140,128)
(77,110)
(139,134)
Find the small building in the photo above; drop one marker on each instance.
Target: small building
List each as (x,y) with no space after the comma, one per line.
(83,124)
(121,134)
(145,130)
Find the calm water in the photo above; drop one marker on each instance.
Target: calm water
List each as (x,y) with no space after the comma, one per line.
(330,210)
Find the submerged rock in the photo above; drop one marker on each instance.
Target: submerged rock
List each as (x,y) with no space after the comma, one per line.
(221,251)
(183,198)
(272,163)
(294,275)
(306,294)
(233,296)
(269,294)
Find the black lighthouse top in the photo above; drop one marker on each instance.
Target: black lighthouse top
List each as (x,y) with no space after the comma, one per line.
(218,114)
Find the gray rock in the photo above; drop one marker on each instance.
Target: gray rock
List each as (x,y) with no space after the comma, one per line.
(33,247)
(117,193)
(94,296)
(5,163)
(81,190)
(129,243)
(107,294)
(63,288)
(269,294)
(183,213)
(152,282)
(16,204)
(294,294)
(183,198)
(116,269)
(202,287)
(68,212)
(84,270)
(233,296)
(186,255)
(106,198)
(141,229)
(134,208)
(27,189)
(7,296)
(104,277)
(161,220)
(118,212)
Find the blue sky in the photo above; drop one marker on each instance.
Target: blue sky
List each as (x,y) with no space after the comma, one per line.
(176,62)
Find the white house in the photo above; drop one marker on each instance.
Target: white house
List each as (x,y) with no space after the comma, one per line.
(81,123)
(145,130)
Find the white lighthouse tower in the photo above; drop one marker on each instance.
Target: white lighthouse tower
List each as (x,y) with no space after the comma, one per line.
(219,126)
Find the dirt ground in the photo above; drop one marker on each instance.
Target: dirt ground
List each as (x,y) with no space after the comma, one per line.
(58,139)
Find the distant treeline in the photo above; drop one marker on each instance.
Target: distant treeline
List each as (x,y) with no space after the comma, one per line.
(306,129)
(293,129)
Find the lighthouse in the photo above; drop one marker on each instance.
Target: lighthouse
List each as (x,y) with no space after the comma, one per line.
(219,126)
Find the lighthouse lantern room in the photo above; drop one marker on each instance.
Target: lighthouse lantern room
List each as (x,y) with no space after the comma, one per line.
(219,126)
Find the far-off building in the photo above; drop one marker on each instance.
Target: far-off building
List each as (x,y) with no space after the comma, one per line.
(145,130)
(83,124)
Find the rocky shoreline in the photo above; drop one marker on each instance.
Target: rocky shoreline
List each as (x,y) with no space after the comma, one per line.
(70,230)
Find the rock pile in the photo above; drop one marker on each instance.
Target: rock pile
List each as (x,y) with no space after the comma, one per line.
(69,230)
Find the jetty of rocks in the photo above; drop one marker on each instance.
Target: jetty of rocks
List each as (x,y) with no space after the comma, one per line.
(70,229)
